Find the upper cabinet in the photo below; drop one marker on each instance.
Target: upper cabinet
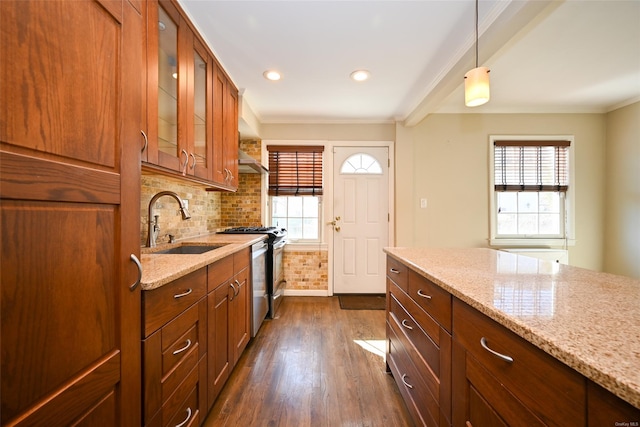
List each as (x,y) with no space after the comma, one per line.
(190,115)
(225,130)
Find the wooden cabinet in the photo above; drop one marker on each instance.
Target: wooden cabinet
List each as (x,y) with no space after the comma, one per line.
(419,344)
(191,107)
(229,324)
(70,208)
(501,379)
(456,366)
(225,130)
(174,350)
(606,409)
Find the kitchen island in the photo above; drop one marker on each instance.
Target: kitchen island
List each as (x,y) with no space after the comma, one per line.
(587,320)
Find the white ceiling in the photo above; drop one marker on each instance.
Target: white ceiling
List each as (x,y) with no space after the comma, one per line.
(545,56)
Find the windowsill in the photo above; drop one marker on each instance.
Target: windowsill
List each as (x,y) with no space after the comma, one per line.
(532,243)
(305,246)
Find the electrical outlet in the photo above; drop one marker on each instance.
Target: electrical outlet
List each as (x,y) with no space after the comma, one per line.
(185,202)
(423,203)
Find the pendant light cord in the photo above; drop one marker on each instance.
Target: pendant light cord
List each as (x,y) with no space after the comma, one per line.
(476,33)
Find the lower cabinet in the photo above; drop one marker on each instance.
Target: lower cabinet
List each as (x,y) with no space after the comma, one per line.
(456,366)
(228,308)
(419,345)
(174,352)
(501,379)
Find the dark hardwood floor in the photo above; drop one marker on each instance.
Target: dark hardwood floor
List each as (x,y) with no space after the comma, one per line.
(315,365)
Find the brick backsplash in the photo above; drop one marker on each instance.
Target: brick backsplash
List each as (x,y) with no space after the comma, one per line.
(306,270)
(213,210)
(204,207)
(244,207)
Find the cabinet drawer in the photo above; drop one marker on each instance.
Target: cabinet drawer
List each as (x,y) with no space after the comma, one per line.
(425,321)
(175,407)
(164,303)
(180,371)
(179,350)
(432,298)
(420,402)
(241,259)
(188,415)
(425,346)
(219,272)
(547,387)
(397,272)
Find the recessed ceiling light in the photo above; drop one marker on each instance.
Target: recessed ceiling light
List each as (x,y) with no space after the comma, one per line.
(360,75)
(272,75)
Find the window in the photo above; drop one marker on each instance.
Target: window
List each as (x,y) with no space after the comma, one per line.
(531,191)
(295,187)
(299,215)
(361,163)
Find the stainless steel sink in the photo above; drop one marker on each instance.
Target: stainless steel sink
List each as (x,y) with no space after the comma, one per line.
(189,249)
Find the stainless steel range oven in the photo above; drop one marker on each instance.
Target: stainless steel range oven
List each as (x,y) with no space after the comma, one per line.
(276,282)
(277,278)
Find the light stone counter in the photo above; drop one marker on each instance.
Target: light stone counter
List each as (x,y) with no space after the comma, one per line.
(588,320)
(160,269)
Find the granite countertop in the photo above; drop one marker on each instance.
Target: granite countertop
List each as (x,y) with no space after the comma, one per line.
(588,320)
(160,269)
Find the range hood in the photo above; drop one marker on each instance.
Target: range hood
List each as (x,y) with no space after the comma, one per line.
(247,164)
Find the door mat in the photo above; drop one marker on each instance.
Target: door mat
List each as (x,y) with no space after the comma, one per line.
(362,302)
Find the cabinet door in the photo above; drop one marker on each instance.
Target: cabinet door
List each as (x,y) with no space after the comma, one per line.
(219,171)
(225,131)
(240,317)
(199,124)
(230,137)
(69,184)
(219,352)
(166,75)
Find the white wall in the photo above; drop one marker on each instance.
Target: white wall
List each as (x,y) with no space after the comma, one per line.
(449,155)
(622,200)
(445,160)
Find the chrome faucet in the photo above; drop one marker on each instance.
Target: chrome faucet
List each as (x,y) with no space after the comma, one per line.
(154,228)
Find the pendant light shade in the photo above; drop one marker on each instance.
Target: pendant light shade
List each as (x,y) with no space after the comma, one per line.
(476,87)
(476,81)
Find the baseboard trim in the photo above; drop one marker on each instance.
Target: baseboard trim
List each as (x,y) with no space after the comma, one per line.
(306,293)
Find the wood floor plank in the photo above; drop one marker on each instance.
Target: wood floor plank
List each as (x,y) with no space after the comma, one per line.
(316,365)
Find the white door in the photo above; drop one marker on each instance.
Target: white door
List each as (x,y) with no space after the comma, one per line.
(361,219)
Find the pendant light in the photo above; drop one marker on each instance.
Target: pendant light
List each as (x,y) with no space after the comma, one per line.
(476,81)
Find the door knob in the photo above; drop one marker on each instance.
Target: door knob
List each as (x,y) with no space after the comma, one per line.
(337,228)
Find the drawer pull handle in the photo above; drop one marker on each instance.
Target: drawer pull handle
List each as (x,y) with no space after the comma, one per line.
(407,326)
(483,343)
(394,271)
(405,381)
(234,292)
(136,261)
(184,294)
(180,350)
(423,295)
(186,419)
(238,290)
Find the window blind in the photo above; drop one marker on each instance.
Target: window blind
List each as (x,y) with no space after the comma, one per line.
(531,165)
(295,170)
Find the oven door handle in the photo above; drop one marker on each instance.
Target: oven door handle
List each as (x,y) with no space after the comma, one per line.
(279,244)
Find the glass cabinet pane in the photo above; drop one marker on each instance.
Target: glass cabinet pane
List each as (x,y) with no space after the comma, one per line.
(200,109)
(167,84)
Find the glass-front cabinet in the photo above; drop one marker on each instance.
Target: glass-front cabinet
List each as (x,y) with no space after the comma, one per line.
(168,74)
(179,107)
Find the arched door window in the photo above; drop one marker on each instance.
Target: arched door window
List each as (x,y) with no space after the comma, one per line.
(361,163)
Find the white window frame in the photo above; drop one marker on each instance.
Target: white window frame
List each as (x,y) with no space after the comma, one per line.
(569,200)
(301,245)
(290,239)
